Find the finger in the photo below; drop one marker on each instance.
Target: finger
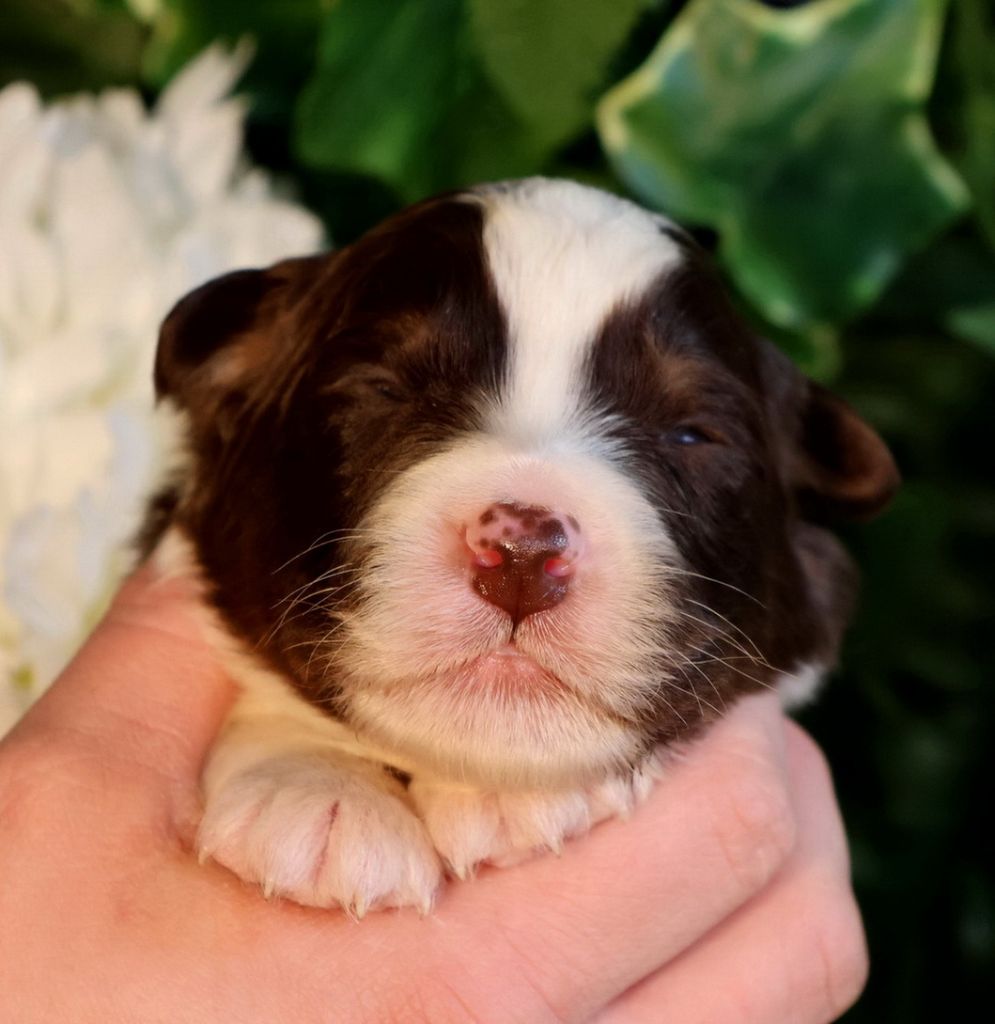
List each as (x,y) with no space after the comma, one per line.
(145,687)
(794,955)
(576,931)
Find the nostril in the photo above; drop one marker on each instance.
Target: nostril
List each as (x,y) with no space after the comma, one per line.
(558,567)
(488,558)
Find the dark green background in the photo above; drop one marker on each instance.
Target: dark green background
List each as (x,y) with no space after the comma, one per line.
(364,105)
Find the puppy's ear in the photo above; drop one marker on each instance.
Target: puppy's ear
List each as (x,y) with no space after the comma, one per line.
(834,461)
(224,341)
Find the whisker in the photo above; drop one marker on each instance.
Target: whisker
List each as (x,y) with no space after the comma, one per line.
(312,641)
(684,721)
(312,605)
(738,670)
(711,579)
(742,633)
(328,537)
(304,594)
(720,632)
(693,692)
(708,679)
(335,570)
(702,703)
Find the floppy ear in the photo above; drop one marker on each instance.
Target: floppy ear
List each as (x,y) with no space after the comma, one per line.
(834,461)
(224,341)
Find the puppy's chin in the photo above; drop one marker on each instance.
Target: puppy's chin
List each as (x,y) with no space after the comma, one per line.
(499,721)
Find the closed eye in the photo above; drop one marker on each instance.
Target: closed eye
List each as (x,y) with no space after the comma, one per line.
(379,384)
(388,389)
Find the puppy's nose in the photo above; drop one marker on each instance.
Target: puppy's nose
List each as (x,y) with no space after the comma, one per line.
(523,556)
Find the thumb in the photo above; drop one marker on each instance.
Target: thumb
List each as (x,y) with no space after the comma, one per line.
(145,688)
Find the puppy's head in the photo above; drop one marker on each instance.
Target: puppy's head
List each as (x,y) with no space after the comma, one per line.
(507,486)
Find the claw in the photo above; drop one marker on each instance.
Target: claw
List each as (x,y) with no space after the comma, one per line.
(464,872)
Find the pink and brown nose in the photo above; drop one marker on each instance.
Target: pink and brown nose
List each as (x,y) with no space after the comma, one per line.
(523,556)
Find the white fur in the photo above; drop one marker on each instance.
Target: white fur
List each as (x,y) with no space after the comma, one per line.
(299,804)
(469,826)
(800,686)
(413,685)
(171,427)
(313,826)
(562,256)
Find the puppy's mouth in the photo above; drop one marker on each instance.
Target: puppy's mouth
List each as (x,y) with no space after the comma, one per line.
(505,674)
(511,677)
(496,712)
(506,671)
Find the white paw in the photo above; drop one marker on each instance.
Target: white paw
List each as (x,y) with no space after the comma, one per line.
(318,833)
(469,827)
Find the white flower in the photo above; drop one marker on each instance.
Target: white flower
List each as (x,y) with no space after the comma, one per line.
(108,214)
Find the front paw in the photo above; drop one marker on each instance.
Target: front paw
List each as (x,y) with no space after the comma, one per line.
(310,829)
(470,827)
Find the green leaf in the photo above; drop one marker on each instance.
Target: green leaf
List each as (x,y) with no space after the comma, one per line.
(549,58)
(283,35)
(398,94)
(815,351)
(973,44)
(976,323)
(798,135)
(385,70)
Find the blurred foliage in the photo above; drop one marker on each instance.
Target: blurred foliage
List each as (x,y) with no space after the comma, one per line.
(65,46)
(738,121)
(844,174)
(431,96)
(285,33)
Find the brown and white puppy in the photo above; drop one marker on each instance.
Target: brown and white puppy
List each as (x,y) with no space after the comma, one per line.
(488,506)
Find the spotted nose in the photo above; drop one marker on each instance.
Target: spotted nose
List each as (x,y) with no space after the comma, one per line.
(523,557)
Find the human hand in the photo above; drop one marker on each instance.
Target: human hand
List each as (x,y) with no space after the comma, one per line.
(726,897)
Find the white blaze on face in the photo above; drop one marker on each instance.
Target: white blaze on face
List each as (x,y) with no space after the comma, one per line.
(562,257)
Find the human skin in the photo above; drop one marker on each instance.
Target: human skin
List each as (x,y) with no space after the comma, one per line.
(725,898)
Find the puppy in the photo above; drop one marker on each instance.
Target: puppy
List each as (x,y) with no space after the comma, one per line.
(487,508)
